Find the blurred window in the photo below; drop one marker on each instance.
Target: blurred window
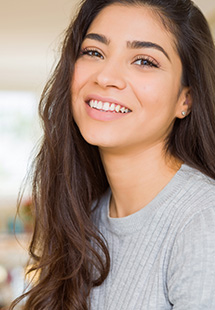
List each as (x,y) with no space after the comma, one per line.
(18,134)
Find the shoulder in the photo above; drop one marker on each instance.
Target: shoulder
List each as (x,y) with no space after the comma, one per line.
(191,281)
(191,271)
(197,194)
(197,181)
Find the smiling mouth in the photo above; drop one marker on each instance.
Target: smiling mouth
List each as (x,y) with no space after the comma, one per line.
(107,106)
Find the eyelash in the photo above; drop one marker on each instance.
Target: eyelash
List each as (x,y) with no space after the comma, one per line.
(146,61)
(91,52)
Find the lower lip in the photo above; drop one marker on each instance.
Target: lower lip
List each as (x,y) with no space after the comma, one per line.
(103,115)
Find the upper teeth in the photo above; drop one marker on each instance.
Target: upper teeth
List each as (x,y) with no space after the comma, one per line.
(107,106)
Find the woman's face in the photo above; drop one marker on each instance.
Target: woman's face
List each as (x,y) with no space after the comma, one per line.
(126,88)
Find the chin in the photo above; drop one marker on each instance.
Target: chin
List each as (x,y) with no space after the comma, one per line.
(100,141)
(98,136)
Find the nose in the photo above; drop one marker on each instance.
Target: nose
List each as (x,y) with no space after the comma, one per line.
(110,75)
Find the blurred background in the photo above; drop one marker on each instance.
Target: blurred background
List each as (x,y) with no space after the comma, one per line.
(30,36)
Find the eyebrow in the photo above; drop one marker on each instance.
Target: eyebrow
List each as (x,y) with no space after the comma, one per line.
(130,44)
(97,37)
(145,44)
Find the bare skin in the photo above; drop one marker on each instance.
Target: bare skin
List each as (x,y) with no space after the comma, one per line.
(135,184)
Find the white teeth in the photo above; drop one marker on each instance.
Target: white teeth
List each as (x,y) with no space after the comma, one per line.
(117,108)
(91,103)
(94,103)
(112,107)
(99,105)
(106,106)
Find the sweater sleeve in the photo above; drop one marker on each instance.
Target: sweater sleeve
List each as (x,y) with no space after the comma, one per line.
(191,273)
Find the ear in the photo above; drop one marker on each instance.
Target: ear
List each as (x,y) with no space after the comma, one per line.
(184,103)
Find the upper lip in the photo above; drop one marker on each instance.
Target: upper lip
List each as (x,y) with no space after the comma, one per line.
(104,99)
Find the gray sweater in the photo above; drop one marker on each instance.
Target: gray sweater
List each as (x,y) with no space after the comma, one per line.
(163,256)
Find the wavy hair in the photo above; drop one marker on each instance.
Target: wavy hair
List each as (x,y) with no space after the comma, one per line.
(68,252)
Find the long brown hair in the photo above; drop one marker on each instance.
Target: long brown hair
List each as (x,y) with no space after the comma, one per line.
(69,253)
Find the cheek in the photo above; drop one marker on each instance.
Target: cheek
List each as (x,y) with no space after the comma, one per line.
(75,90)
(77,79)
(156,93)
(149,91)
(80,77)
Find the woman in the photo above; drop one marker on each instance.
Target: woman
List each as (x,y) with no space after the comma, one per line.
(123,187)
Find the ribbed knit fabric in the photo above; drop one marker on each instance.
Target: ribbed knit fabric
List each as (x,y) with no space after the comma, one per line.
(163,256)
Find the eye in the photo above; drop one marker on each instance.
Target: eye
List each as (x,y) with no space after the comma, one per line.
(146,62)
(92,53)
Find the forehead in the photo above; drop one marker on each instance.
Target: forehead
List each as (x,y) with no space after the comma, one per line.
(133,22)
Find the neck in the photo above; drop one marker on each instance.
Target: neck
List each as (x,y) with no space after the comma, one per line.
(136,178)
